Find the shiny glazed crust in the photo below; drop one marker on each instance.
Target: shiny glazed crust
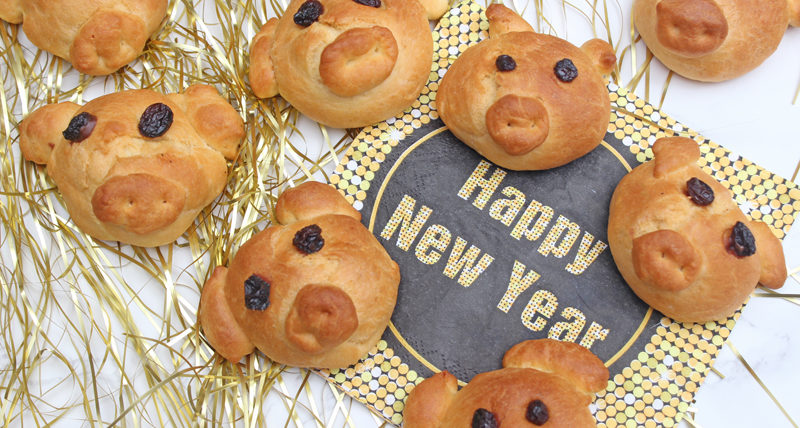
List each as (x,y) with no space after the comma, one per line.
(118,185)
(673,252)
(557,373)
(712,40)
(526,118)
(326,309)
(97,36)
(355,66)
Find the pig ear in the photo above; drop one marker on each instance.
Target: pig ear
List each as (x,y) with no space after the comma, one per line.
(429,401)
(262,72)
(794,13)
(672,153)
(770,253)
(435,8)
(602,55)
(504,20)
(43,129)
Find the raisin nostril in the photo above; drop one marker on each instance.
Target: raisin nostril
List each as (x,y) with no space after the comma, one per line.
(308,13)
(80,127)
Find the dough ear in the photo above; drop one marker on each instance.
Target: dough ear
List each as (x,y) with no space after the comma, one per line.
(672,153)
(770,253)
(11,11)
(108,41)
(262,72)
(569,360)
(214,119)
(435,8)
(602,55)
(312,199)
(794,13)
(504,20)
(43,129)
(219,325)
(429,401)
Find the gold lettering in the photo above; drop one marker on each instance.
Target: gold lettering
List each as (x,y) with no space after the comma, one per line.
(436,236)
(595,332)
(549,244)
(477,179)
(585,256)
(535,208)
(573,328)
(458,261)
(410,228)
(543,302)
(517,285)
(506,209)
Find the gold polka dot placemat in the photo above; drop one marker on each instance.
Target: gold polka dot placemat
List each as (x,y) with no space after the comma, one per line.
(491,257)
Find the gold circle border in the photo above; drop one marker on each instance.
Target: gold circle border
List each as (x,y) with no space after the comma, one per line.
(371,226)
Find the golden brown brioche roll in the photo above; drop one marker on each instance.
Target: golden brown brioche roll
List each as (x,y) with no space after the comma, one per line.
(713,40)
(136,166)
(315,291)
(681,242)
(345,63)
(97,36)
(542,383)
(527,101)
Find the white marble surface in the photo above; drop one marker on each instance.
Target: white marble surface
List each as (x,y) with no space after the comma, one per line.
(753,116)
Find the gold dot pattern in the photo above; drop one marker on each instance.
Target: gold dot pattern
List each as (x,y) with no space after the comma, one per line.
(656,387)
(381,380)
(761,195)
(465,262)
(506,210)
(517,285)
(592,251)
(659,385)
(436,236)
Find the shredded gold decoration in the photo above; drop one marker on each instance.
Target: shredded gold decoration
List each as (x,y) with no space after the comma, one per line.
(104,333)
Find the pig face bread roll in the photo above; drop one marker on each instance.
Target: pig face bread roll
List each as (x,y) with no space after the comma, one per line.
(97,36)
(317,290)
(136,166)
(542,383)
(713,40)
(681,242)
(346,63)
(527,101)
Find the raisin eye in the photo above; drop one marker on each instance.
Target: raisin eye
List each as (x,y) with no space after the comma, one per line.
(80,127)
(256,293)
(741,243)
(483,418)
(699,192)
(566,70)
(505,63)
(370,3)
(537,413)
(308,13)
(309,239)
(156,120)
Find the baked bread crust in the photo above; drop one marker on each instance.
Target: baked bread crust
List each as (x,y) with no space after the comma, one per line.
(526,118)
(673,252)
(563,375)
(712,40)
(354,66)
(119,185)
(97,36)
(326,309)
